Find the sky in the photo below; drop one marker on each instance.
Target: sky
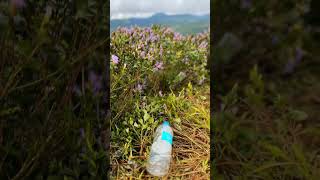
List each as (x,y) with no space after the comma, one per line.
(121,9)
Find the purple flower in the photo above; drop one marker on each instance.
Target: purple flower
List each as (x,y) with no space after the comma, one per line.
(96,81)
(142,54)
(153,37)
(140,87)
(203,45)
(158,66)
(115,59)
(82,133)
(176,36)
(141,46)
(18,3)
(292,63)
(161,50)
(148,29)
(129,31)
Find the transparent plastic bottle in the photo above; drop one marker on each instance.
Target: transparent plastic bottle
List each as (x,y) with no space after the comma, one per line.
(160,154)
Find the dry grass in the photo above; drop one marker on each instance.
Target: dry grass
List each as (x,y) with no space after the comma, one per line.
(191,152)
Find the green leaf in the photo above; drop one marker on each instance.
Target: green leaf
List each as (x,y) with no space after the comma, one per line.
(231,98)
(9,111)
(298,115)
(256,79)
(203,98)
(276,151)
(151,120)
(90,161)
(146,116)
(298,152)
(135,124)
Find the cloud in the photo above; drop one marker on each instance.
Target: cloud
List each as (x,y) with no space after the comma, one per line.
(143,8)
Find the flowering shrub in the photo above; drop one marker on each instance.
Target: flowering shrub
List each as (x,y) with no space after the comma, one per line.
(157,59)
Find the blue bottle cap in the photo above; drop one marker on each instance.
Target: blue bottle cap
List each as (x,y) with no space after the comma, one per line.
(166,123)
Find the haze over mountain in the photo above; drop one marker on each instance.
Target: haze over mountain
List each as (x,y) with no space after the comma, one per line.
(183,23)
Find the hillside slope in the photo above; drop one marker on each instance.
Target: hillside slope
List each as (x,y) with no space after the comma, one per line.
(183,23)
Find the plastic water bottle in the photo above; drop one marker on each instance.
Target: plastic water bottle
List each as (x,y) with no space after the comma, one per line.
(160,155)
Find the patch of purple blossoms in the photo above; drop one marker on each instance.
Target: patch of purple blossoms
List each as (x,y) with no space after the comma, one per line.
(203,45)
(115,59)
(158,66)
(177,36)
(143,54)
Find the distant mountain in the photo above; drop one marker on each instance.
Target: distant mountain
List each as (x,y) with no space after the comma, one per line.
(183,23)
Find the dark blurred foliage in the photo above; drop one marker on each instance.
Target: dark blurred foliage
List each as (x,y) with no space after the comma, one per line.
(265,89)
(313,16)
(52,82)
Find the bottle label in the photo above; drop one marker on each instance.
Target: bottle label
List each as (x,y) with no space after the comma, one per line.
(166,137)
